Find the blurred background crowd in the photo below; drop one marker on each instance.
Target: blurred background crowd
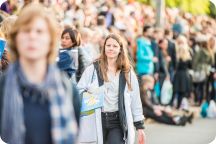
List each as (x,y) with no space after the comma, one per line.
(175,61)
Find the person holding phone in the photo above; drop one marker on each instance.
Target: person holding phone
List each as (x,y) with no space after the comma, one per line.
(122,109)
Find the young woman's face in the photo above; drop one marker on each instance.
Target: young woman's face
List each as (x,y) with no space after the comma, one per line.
(66,41)
(164,45)
(112,48)
(33,40)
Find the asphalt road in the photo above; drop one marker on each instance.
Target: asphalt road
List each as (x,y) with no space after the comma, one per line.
(202,131)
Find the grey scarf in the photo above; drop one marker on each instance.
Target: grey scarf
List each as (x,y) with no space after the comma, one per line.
(64,127)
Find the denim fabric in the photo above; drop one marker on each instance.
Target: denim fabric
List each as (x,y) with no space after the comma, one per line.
(68,61)
(112,132)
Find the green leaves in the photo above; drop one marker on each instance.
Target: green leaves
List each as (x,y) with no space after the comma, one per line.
(192,6)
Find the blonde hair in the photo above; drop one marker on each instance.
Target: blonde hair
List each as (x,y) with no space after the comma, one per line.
(182,51)
(1,34)
(211,47)
(27,15)
(122,61)
(7,24)
(146,79)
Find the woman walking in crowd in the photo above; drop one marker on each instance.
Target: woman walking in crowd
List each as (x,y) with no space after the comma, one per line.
(71,58)
(39,108)
(182,79)
(122,109)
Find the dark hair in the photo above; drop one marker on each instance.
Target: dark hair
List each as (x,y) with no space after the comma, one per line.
(161,41)
(167,32)
(146,28)
(74,35)
(100,20)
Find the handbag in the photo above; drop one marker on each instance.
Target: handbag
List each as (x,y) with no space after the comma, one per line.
(85,113)
(92,101)
(166,92)
(202,73)
(211,112)
(199,76)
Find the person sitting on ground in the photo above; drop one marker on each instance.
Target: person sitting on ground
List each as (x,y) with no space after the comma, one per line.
(157,112)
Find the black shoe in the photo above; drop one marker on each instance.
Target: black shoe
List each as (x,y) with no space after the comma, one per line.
(183,121)
(190,118)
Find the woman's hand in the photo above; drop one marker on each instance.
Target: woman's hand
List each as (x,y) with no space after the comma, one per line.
(155,59)
(141,136)
(168,59)
(158,112)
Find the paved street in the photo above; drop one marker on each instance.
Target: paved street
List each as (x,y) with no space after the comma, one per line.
(202,131)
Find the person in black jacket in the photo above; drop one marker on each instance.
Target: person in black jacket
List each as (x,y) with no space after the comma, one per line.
(172,53)
(164,61)
(182,79)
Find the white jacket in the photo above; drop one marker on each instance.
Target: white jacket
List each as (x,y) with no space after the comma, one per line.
(91,125)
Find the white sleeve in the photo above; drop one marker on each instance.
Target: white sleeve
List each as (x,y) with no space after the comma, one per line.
(136,105)
(86,78)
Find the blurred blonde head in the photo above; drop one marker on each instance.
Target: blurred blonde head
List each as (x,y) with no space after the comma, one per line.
(2,34)
(211,46)
(147,82)
(212,43)
(86,34)
(183,50)
(7,24)
(25,19)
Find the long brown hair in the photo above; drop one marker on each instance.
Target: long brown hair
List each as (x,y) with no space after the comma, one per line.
(122,62)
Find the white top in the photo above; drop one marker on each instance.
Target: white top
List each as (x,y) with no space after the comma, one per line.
(111,93)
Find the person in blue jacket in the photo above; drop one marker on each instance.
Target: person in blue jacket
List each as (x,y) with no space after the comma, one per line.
(72,56)
(145,53)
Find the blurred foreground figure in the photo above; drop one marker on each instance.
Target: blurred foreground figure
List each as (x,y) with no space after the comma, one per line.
(36,99)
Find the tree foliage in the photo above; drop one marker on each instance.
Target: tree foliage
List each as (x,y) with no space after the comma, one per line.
(192,6)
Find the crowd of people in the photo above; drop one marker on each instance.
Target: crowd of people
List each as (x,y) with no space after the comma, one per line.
(111,45)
